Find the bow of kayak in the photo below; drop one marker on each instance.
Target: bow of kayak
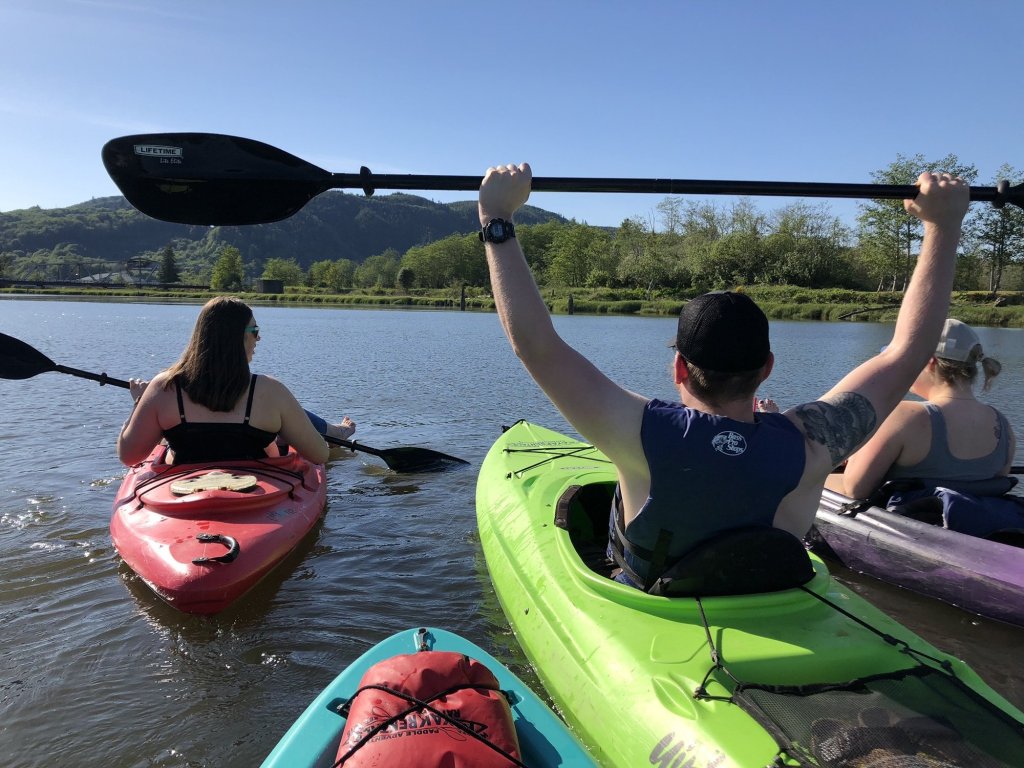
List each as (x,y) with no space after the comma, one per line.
(202,535)
(314,738)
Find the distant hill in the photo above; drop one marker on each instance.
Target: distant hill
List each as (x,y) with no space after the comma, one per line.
(334,225)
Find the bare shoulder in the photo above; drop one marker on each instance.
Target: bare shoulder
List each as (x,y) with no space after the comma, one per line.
(160,385)
(907,412)
(267,382)
(269,387)
(838,423)
(162,379)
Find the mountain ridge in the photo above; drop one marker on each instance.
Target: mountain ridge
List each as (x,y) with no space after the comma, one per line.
(335,225)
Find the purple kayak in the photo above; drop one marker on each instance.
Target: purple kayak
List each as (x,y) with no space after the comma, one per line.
(978,575)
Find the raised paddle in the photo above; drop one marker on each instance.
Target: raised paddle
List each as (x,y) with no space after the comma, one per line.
(19,360)
(211,178)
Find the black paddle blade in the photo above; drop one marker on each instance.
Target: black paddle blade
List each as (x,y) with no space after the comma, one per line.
(412,459)
(18,360)
(212,179)
(404,458)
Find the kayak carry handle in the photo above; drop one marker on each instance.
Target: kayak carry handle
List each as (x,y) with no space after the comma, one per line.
(227,541)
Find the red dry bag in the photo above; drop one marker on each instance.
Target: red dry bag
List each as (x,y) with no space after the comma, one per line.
(427,709)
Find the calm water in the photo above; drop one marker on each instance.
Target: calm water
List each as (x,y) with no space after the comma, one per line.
(95,671)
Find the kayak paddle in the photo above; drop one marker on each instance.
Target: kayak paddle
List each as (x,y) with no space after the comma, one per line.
(215,179)
(19,360)
(406,458)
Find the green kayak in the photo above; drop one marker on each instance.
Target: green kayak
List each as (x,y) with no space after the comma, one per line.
(811,675)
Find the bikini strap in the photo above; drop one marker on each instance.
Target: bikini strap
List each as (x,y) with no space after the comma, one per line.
(248,404)
(181,405)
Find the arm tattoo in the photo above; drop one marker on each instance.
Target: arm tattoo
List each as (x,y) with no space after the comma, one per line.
(840,423)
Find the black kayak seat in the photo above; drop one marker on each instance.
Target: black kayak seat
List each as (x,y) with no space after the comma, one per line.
(743,561)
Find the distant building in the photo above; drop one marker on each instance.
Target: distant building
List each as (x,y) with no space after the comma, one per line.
(264,285)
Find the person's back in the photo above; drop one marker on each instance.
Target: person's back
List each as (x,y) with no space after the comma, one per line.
(217,435)
(737,473)
(955,440)
(729,336)
(210,406)
(951,436)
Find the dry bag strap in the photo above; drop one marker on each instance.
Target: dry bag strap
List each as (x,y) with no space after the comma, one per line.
(417,704)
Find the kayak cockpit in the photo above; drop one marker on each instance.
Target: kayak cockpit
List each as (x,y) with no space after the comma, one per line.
(737,562)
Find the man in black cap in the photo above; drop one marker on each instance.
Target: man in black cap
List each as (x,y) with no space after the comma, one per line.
(691,470)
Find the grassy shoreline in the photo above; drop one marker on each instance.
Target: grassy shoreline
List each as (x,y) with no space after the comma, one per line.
(778,302)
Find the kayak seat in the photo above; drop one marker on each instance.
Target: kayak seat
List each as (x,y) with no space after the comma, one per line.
(982,508)
(925,510)
(743,561)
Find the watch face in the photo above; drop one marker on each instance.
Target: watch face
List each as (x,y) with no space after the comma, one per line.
(498,230)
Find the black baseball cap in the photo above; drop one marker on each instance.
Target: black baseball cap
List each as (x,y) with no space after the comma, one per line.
(723,331)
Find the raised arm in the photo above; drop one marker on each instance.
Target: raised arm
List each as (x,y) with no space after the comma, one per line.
(846,416)
(603,412)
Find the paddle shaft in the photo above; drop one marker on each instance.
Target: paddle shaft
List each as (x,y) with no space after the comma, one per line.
(354,446)
(102,378)
(368,182)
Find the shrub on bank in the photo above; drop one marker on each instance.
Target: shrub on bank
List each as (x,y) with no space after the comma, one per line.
(780,302)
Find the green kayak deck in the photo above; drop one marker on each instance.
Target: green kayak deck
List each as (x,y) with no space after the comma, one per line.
(623,666)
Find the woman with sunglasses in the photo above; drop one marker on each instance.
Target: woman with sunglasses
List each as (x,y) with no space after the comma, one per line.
(208,406)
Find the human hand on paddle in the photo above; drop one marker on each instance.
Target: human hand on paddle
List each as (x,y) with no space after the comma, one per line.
(504,190)
(942,201)
(136,387)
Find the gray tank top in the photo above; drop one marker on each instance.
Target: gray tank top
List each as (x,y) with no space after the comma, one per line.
(940,463)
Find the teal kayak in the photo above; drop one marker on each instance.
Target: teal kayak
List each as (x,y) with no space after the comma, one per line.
(314,738)
(811,675)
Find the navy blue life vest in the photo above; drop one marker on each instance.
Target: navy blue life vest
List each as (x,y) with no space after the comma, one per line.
(709,474)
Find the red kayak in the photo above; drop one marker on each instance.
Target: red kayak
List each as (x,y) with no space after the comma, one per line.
(202,535)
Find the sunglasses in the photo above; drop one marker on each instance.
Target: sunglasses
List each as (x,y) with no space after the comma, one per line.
(254,330)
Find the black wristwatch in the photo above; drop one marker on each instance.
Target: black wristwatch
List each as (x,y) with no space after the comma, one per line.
(497,231)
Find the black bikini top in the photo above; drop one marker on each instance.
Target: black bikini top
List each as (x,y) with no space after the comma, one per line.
(198,441)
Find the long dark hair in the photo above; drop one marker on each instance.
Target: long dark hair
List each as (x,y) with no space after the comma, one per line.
(213,369)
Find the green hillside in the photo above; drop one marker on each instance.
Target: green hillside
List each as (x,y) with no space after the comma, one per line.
(102,234)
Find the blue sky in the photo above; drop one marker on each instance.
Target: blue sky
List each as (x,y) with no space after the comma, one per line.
(787,91)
